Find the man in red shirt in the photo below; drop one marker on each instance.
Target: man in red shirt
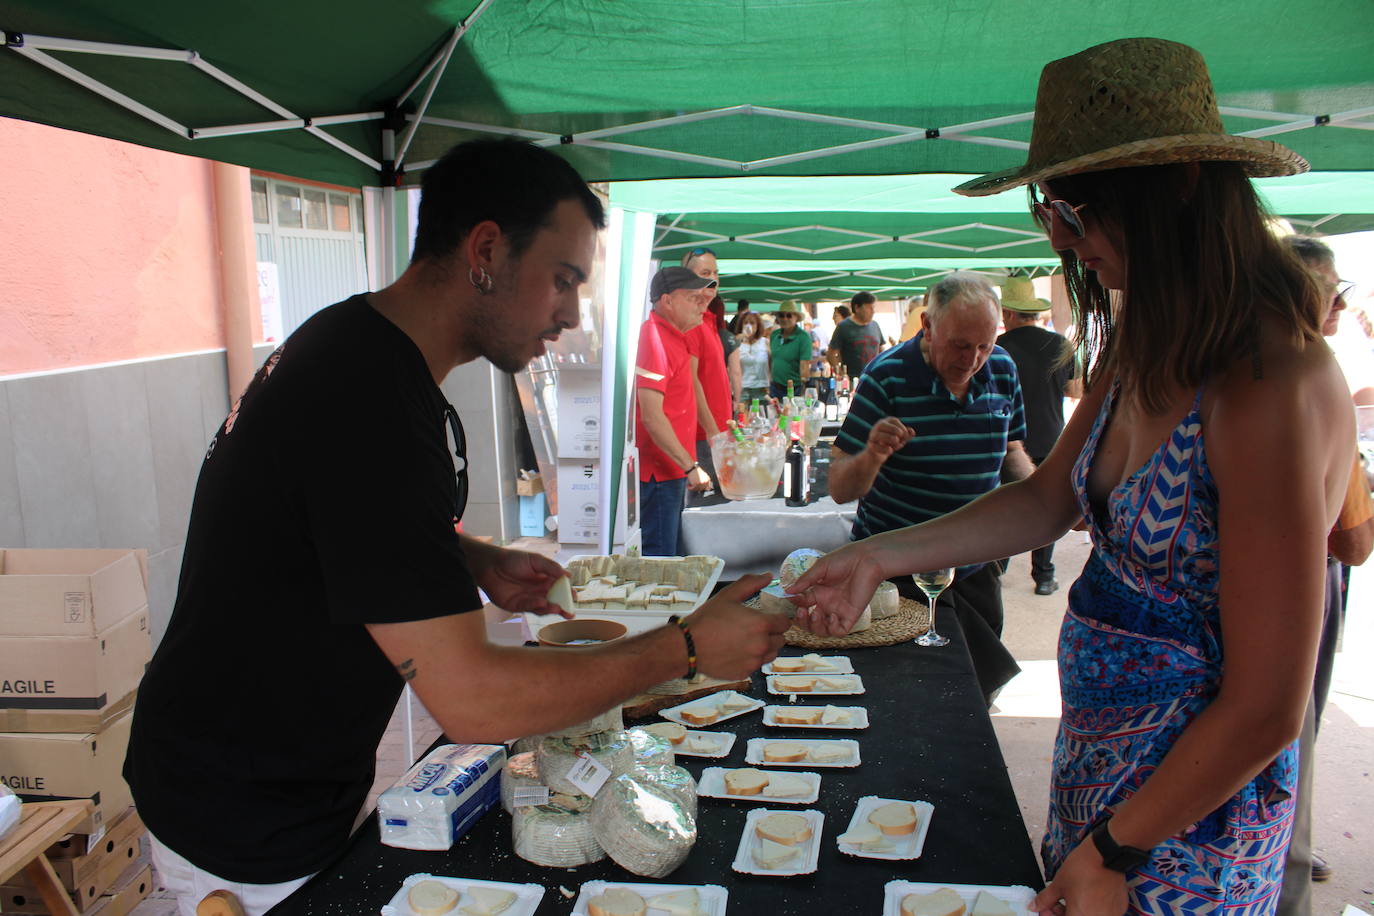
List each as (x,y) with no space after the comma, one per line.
(712,371)
(666,421)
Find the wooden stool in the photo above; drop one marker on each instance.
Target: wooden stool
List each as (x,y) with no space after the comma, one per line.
(40,825)
(219,903)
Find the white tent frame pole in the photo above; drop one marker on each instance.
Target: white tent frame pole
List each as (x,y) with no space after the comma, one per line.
(440,67)
(102,90)
(1335,120)
(286,124)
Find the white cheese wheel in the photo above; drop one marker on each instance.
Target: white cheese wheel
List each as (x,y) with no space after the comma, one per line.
(886,602)
(643,826)
(557,835)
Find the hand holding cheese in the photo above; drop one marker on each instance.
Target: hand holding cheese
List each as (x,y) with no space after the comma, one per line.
(837,589)
(734,641)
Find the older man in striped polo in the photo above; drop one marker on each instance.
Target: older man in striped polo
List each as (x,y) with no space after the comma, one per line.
(935,423)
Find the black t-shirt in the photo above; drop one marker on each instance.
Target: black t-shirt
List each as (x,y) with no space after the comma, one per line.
(325,502)
(1035,352)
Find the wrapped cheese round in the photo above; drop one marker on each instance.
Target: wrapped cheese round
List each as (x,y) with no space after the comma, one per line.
(557,756)
(650,750)
(642,826)
(558,834)
(864,622)
(520,771)
(886,602)
(796,563)
(676,780)
(609,721)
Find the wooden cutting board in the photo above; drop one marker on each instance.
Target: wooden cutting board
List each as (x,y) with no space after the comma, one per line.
(646,704)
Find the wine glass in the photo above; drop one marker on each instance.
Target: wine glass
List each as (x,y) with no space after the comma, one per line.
(933,583)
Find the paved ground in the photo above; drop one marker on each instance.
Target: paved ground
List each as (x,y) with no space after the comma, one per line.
(1027,714)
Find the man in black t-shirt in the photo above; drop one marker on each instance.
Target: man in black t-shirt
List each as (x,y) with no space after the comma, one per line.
(1047,375)
(322,570)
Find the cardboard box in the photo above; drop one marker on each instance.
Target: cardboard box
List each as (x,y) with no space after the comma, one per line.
(69,592)
(529,487)
(131,889)
(74,683)
(46,767)
(113,862)
(579,411)
(579,494)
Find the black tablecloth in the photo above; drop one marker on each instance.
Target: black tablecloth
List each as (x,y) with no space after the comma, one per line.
(929,739)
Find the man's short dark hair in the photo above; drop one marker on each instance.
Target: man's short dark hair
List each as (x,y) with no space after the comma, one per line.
(843,310)
(862,299)
(743,305)
(514,184)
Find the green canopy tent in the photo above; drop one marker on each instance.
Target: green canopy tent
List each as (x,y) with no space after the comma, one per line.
(830,237)
(361,94)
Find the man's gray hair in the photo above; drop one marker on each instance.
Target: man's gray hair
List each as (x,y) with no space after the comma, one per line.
(960,286)
(1314,252)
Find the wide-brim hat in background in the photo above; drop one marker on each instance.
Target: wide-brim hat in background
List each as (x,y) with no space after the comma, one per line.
(1018,294)
(790,306)
(1132,102)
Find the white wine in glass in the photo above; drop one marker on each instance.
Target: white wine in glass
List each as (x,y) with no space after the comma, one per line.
(933,583)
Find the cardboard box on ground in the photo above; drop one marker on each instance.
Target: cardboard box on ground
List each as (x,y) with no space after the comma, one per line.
(106,874)
(74,637)
(42,766)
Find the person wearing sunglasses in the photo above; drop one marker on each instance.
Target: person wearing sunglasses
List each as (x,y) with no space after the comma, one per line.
(322,571)
(1208,461)
(715,363)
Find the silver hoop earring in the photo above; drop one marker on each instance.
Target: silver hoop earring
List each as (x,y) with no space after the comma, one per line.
(481,280)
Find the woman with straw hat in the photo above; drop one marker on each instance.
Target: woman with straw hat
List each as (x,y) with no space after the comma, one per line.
(1207,459)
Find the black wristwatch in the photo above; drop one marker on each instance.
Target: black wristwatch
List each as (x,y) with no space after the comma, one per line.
(1114,855)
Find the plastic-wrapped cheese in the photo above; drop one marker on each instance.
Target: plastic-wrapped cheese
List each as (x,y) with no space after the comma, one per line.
(609,721)
(558,834)
(521,772)
(642,826)
(886,602)
(796,563)
(557,756)
(676,780)
(864,622)
(650,750)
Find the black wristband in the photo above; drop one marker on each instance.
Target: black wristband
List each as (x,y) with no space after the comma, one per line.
(1114,855)
(691,645)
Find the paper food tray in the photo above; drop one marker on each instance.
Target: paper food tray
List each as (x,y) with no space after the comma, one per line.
(856,686)
(713,896)
(1017,896)
(754,752)
(841,662)
(804,864)
(858,718)
(903,847)
(712,785)
(527,896)
(727,741)
(647,614)
(674,713)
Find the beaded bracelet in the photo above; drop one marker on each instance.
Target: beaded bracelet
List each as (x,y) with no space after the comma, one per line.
(691,645)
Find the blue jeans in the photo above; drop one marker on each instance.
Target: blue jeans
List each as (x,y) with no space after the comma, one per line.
(660,515)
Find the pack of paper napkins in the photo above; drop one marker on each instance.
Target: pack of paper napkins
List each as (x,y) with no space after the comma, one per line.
(441,796)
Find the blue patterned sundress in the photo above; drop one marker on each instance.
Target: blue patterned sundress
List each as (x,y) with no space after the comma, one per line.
(1140,655)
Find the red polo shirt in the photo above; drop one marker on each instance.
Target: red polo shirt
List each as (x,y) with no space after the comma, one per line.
(703,342)
(663,364)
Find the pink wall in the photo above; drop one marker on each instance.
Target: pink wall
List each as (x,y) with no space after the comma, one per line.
(108,251)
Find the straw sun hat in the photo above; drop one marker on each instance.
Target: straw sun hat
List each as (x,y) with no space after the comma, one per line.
(1019,295)
(1137,101)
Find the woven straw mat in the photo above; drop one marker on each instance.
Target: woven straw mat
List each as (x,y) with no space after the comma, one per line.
(911,620)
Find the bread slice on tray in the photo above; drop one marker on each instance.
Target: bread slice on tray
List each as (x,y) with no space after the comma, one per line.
(894,818)
(941,902)
(785,828)
(617,901)
(784,752)
(746,781)
(432,898)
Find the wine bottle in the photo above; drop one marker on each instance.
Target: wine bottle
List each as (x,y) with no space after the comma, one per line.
(795,483)
(832,409)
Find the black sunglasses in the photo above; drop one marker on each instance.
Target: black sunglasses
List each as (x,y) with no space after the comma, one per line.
(1045,210)
(460,462)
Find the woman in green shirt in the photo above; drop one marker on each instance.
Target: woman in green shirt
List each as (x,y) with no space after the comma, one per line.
(791,348)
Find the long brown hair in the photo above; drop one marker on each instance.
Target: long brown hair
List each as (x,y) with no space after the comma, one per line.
(1202,271)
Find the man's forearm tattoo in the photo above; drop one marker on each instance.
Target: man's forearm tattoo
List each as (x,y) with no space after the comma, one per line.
(407,670)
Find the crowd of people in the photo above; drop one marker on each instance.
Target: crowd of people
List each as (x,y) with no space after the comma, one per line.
(1189,669)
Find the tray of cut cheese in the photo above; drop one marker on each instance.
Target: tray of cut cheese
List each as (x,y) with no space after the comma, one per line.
(750,784)
(437,895)
(602,898)
(887,828)
(779,843)
(823,717)
(908,898)
(640,592)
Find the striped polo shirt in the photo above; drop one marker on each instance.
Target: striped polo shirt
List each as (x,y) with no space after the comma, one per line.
(956,454)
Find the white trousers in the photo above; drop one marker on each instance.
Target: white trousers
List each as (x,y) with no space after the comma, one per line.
(190,884)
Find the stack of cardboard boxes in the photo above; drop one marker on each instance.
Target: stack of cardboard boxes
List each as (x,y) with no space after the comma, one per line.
(74,642)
